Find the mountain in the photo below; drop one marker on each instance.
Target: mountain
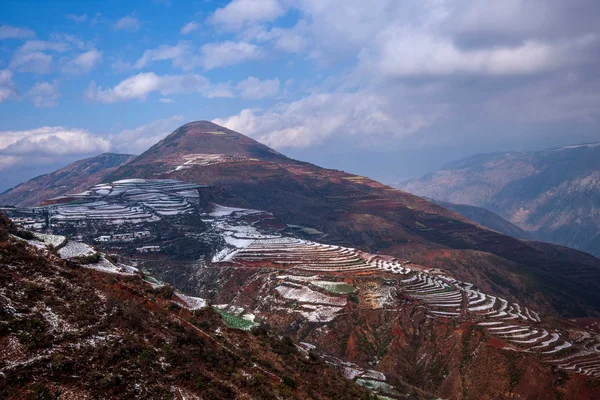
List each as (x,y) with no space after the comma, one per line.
(486,218)
(74,177)
(359,212)
(391,325)
(72,332)
(553,194)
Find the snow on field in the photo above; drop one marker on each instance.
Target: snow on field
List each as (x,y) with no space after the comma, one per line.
(105,265)
(318,313)
(75,249)
(222,211)
(50,240)
(191,303)
(304,294)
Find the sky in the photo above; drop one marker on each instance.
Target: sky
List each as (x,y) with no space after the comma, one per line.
(390,89)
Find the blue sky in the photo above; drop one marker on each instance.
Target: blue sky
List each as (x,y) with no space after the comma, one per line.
(391,89)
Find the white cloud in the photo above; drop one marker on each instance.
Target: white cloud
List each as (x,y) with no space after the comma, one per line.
(185,56)
(14,32)
(44,45)
(401,52)
(228,53)
(139,139)
(128,23)
(77,18)
(7,86)
(51,141)
(35,62)
(44,94)
(31,57)
(254,88)
(166,100)
(43,145)
(241,13)
(189,28)
(141,85)
(84,62)
(181,56)
(288,40)
(311,120)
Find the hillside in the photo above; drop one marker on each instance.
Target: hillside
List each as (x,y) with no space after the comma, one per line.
(389,324)
(359,212)
(73,178)
(70,332)
(553,194)
(486,218)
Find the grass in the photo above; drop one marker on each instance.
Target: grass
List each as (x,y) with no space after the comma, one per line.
(233,321)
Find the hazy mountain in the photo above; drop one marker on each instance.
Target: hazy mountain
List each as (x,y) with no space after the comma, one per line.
(486,218)
(74,177)
(554,194)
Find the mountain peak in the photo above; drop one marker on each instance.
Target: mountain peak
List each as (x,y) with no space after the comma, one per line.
(205,137)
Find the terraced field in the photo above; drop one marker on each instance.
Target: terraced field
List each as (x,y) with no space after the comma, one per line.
(305,277)
(313,278)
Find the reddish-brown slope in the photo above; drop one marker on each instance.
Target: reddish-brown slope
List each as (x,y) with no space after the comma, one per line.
(361,212)
(73,178)
(75,333)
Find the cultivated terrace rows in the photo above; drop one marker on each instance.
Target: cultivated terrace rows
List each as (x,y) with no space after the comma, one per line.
(310,266)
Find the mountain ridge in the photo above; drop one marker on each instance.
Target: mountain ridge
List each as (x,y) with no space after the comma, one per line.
(552,193)
(75,176)
(359,212)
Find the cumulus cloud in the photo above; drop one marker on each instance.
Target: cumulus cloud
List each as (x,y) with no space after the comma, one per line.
(185,56)
(254,88)
(44,94)
(189,28)
(141,85)
(83,62)
(181,55)
(36,62)
(8,88)
(240,13)
(43,145)
(14,32)
(32,56)
(311,120)
(228,53)
(76,18)
(51,141)
(128,24)
(404,53)
(139,139)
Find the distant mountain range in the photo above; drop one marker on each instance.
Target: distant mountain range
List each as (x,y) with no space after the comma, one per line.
(486,218)
(553,194)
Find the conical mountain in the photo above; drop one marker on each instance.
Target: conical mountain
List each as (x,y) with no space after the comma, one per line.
(356,211)
(205,137)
